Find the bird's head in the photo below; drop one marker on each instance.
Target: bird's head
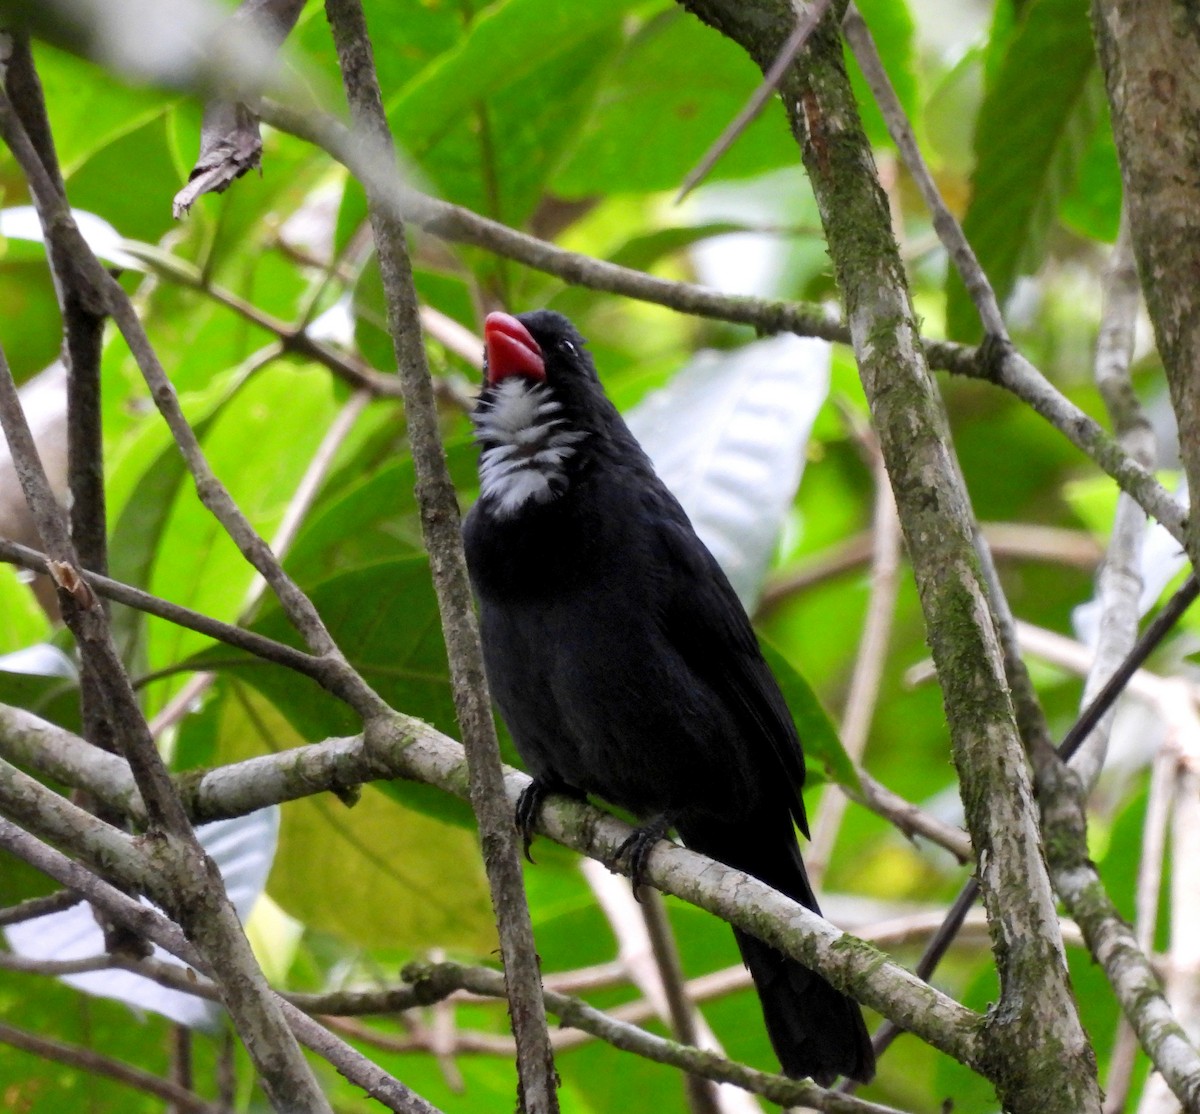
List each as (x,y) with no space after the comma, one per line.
(541,399)
(540,347)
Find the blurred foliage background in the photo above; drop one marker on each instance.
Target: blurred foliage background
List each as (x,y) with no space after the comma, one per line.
(576,121)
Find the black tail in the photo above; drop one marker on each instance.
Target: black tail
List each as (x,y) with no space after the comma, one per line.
(815,1030)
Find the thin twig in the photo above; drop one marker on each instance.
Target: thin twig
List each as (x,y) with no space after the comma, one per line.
(348,367)
(54,968)
(258,645)
(38,907)
(1013,540)
(863,692)
(806,23)
(663,990)
(83,330)
(910,819)
(949,231)
(433,982)
(94,1063)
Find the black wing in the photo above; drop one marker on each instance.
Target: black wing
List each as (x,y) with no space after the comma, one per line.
(705,621)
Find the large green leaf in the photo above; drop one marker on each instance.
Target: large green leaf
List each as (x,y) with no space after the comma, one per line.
(1033,132)
(370,520)
(497,157)
(259,445)
(143,486)
(506,45)
(111,108)
(670,94)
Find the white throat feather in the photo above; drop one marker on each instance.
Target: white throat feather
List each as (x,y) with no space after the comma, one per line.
(526,445)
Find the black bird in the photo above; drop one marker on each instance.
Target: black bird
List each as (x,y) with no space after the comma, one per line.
(623,662)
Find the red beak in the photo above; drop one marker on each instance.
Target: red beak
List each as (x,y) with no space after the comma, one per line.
(511,350)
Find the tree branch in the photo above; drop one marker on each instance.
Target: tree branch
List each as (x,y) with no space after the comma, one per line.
(1037,1007)
(96,1064)
(1146,48)
(1000,366)
(440,527)
(431,982)
(410,748)
(153,925)
(258,645)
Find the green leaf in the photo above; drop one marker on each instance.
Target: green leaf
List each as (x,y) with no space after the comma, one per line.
(671,93)
(1031,138)
(817,734)
(508,44)
(153,470)
(110,108)
(22,621)
(498,156)
(101,183)
(27,294)
(259,445)
(372,519)
(1093,207)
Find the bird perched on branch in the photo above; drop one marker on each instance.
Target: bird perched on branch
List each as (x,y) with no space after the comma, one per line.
(624,664)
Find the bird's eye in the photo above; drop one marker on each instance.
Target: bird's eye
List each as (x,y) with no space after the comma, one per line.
(567,347)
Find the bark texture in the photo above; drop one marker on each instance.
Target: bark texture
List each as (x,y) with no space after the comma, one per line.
(1038,1055)
(1150,51)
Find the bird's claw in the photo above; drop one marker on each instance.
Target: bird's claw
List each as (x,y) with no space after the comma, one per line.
(638,846)
(529,806)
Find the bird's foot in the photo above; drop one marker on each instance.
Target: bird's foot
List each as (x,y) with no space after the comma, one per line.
(638,846)
(529,806)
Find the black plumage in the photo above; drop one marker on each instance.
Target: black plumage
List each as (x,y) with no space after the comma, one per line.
(624,664)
